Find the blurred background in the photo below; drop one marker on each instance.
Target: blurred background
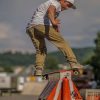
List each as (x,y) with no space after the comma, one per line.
(80,27)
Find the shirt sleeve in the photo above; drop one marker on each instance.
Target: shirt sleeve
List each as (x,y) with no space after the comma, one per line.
(57,5)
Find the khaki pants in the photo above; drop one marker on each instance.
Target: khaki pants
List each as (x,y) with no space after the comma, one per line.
(38,34)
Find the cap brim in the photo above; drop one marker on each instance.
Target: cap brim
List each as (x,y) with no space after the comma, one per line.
(73,7)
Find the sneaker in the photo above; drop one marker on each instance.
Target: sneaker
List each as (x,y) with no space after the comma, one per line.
(78,67)
(38,74)
(38,71)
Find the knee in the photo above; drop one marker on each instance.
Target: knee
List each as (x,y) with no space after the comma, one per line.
(41,51)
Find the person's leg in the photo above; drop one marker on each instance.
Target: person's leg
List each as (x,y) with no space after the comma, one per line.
(39,43)
(55,37)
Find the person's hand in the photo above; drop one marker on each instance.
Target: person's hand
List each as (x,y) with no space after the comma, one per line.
(56,28)
(56,22)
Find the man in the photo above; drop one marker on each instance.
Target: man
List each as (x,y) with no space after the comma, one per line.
(44,24)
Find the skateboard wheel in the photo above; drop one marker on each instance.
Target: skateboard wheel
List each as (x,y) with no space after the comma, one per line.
(76,72)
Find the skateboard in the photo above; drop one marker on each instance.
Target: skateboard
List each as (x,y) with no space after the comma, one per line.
(52,75)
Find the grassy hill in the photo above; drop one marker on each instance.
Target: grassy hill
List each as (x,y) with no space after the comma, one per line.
(8,59)
(82,54)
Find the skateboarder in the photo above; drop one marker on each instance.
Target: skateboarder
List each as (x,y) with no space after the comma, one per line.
(44,24)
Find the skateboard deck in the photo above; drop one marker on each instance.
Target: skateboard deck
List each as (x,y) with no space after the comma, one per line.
(52,75)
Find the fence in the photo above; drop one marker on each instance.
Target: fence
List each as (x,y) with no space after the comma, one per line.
(92,94)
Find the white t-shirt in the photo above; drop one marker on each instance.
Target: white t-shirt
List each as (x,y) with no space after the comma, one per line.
(40,15)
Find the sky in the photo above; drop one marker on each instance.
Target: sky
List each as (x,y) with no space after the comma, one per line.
(78,27)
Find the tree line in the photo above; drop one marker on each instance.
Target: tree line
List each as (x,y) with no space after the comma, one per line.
(89,55)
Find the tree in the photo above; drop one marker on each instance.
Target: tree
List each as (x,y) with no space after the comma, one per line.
(51,63)
(95,60)
(8,69)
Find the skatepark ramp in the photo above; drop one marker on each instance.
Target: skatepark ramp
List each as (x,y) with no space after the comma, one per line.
(34,87)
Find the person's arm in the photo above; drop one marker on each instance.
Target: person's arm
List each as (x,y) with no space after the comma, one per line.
(51,15)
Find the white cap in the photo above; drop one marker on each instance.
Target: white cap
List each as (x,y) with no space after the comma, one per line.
(72,2)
